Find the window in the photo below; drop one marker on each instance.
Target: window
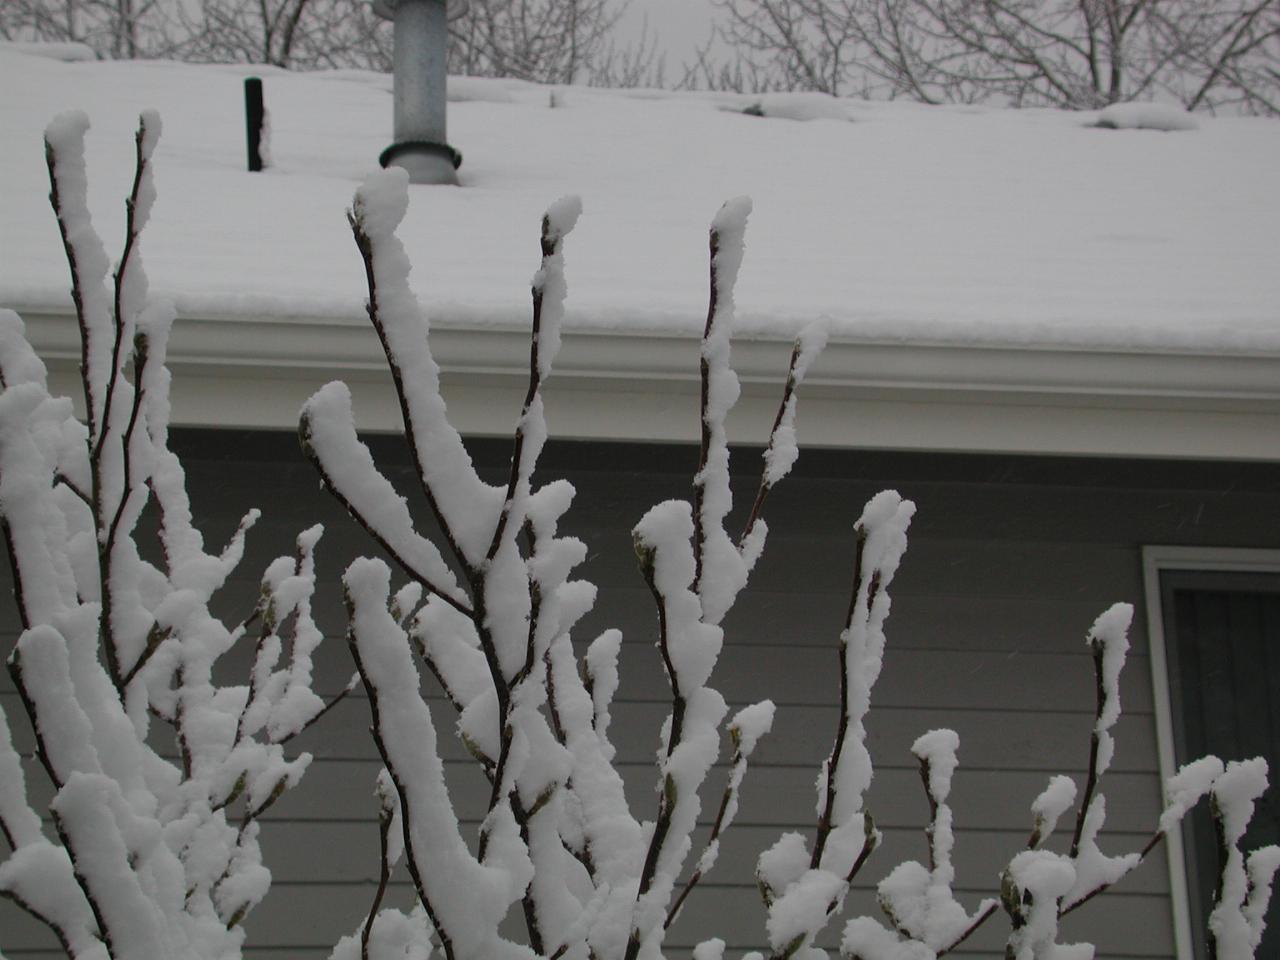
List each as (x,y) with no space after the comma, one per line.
(1214,621)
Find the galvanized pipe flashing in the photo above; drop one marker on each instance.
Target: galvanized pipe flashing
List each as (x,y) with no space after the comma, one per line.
(420,71)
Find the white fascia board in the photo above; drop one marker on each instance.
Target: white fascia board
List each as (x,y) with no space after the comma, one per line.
(613,384)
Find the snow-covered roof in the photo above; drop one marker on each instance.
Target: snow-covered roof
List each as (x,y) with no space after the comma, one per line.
(942,242)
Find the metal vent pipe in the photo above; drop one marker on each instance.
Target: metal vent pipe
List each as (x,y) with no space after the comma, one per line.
(420,72)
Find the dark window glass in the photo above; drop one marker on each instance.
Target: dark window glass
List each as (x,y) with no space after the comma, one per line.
(1222,637)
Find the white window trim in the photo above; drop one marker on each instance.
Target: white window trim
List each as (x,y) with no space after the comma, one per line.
(1156,559)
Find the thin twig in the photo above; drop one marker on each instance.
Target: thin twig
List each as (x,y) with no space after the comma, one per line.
(62,478)
(126,262)
(1091,782)
(666,798)
(323,710)
(112,529)
(970,930)
(385,820)
(704,369)
(716,827)
(766,487)
(77,288)
(1151,844)
(155,638)
(550,246)
(842,727)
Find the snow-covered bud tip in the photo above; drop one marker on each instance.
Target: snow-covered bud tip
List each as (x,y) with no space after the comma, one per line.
(809,344)
(750,724)
(385,790)
(730,220)
(728,233)
(368,583)
(662,543)
(560,219)
(880,511)
(155,321)
(65,133)
(308,538)
(149,127)
(381,202)
(406,601)
(1113,625)
(1234,794)
(145,196)
(1055,800)
(783,863)
(937,749)
(1109,638)
(1186,788)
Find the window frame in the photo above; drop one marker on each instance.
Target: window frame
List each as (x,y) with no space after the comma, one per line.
(1155,560)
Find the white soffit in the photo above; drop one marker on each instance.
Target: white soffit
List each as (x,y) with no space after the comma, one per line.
(643,386)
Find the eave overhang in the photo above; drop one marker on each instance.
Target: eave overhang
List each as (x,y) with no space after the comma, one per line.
(608,384)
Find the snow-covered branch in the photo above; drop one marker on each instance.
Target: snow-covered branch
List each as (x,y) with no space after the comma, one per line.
(803,889)
(1240,906)
(533,715)
(152,857)
(1063,53)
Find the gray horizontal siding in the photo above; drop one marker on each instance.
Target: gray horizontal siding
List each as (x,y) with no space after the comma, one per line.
(1005,740)
(306,913)
(1010,561)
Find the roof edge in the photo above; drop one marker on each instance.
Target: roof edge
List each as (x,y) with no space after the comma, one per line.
(238,372)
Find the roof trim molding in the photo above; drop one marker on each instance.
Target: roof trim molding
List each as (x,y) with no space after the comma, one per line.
(239,372)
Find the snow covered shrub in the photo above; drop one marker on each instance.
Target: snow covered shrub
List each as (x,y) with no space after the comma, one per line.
(146,855)
(558,836)
(491,614)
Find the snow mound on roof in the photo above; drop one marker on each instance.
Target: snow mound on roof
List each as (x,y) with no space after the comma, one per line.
(798,106)
(483,90)
(1146,116)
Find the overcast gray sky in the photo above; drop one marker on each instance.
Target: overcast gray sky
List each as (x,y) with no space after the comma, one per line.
(679,25)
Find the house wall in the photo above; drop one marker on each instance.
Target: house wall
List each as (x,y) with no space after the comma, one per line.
(1010,560)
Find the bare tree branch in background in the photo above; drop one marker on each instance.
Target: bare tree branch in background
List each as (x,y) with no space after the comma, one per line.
(297,34)
(113,29)
(1212,55)
(1079,54)
(638,64)
(742,74)
(802,44)
(1228,58)
(546,41)
(305,34)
